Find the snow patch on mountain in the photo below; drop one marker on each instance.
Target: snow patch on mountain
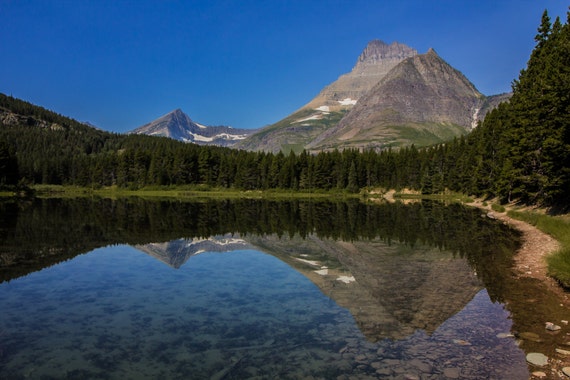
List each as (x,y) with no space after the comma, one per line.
(316,116)
(347,102)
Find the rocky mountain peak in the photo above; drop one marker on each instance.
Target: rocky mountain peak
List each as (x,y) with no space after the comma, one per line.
(423,95)
(377,51)
(179,126)
(375,61)
(393,97)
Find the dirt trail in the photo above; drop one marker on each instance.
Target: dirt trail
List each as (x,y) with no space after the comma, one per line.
(530,259)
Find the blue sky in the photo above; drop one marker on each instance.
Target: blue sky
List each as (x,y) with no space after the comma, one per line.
(248,63)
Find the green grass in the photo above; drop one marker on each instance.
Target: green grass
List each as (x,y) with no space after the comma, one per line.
(427,134)
(446,196)
(188,191)
(497,207)
(559,228)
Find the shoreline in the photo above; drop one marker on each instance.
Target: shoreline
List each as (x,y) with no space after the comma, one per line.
(530,258)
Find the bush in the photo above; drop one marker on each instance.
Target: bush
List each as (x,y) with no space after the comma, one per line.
(497,208)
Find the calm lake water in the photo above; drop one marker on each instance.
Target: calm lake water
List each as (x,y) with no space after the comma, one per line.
(134,289)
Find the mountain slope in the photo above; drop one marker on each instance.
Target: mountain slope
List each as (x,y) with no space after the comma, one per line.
(331,104)
(422,101)
(177,125)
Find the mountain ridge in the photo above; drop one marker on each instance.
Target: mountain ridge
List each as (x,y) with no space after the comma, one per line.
(179,126)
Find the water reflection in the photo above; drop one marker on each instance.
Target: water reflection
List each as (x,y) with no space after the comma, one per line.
(392,290)
(176,252)
(254,289)
(119,313)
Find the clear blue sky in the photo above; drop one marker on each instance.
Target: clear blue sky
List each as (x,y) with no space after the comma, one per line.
(244,63)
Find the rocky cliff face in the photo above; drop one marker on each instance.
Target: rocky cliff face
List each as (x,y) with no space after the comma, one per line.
(179,126)
(297,130)
(372,65)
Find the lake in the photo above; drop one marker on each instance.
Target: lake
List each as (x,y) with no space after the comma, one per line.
(236,289)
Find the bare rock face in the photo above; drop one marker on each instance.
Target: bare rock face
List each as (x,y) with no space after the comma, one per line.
(372,65)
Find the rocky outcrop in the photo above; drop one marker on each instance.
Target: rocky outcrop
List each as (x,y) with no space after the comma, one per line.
(12,119)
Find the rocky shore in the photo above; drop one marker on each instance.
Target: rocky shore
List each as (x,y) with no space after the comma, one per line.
(530,262)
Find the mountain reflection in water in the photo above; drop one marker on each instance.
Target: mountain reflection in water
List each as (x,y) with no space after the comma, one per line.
(392,290)
(422,283)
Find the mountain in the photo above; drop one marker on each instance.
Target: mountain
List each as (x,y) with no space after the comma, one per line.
(422,101)
(392,97)
(177,125)
(332,103)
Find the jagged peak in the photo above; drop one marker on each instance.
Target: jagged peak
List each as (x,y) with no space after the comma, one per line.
(177,113)
(431,51)
(377,50)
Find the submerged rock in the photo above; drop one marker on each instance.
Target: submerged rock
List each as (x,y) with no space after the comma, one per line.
(530,336)
(452,373)
(552,327)
(537,359)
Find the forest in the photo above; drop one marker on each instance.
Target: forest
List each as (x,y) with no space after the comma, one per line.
(520,152)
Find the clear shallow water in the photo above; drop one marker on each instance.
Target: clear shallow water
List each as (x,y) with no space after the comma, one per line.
(117,312)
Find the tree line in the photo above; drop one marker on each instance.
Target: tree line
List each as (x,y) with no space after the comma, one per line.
(521,151)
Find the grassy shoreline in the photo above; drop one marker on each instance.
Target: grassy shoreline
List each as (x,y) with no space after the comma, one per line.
(559,228)
(182,192)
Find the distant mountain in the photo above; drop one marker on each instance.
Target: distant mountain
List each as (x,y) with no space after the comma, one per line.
(177,125)
(422,101)
(331,104)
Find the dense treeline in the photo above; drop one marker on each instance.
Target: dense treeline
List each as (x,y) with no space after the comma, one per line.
(520,152)
(522,149)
